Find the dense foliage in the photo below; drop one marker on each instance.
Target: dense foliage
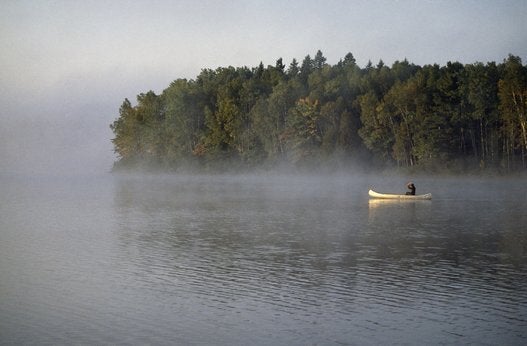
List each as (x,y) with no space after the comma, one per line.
(455,116)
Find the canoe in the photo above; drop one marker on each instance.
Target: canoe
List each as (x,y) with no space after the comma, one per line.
(374,194)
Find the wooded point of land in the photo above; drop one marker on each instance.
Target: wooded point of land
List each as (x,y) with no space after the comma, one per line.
(449,118)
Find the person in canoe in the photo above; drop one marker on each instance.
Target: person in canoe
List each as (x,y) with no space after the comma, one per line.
(410,187)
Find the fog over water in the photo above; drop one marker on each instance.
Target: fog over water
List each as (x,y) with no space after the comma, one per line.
(63,129)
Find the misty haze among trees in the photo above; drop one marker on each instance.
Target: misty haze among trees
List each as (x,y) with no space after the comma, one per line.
(450,118)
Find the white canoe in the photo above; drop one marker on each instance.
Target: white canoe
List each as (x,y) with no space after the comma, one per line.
(374,194)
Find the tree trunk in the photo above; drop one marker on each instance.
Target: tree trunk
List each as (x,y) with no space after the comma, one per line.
(481,138)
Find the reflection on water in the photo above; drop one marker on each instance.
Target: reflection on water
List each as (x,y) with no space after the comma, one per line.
(262,260)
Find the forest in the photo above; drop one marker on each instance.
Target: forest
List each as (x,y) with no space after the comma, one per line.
(431,118)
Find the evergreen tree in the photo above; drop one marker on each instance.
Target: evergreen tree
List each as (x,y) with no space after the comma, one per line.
(293,69)
(319,61)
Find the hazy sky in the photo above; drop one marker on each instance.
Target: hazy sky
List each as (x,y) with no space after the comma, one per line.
(66,66)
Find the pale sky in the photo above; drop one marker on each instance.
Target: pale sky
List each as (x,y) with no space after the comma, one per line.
(66,66)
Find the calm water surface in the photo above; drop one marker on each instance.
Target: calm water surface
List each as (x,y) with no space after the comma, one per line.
(261,260)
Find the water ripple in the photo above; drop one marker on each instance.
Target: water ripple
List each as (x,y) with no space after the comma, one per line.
(233,262)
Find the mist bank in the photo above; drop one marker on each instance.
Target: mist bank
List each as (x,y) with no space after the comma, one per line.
(326,169)
(315,116)
(61,127)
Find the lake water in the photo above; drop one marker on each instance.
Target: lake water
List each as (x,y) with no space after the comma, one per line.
(261,260)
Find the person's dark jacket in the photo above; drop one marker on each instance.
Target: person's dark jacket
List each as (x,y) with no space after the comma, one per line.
(411,187)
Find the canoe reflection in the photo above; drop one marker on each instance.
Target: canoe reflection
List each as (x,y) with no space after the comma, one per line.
(377,202)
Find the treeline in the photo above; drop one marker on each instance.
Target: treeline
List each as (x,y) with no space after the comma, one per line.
(450,117)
